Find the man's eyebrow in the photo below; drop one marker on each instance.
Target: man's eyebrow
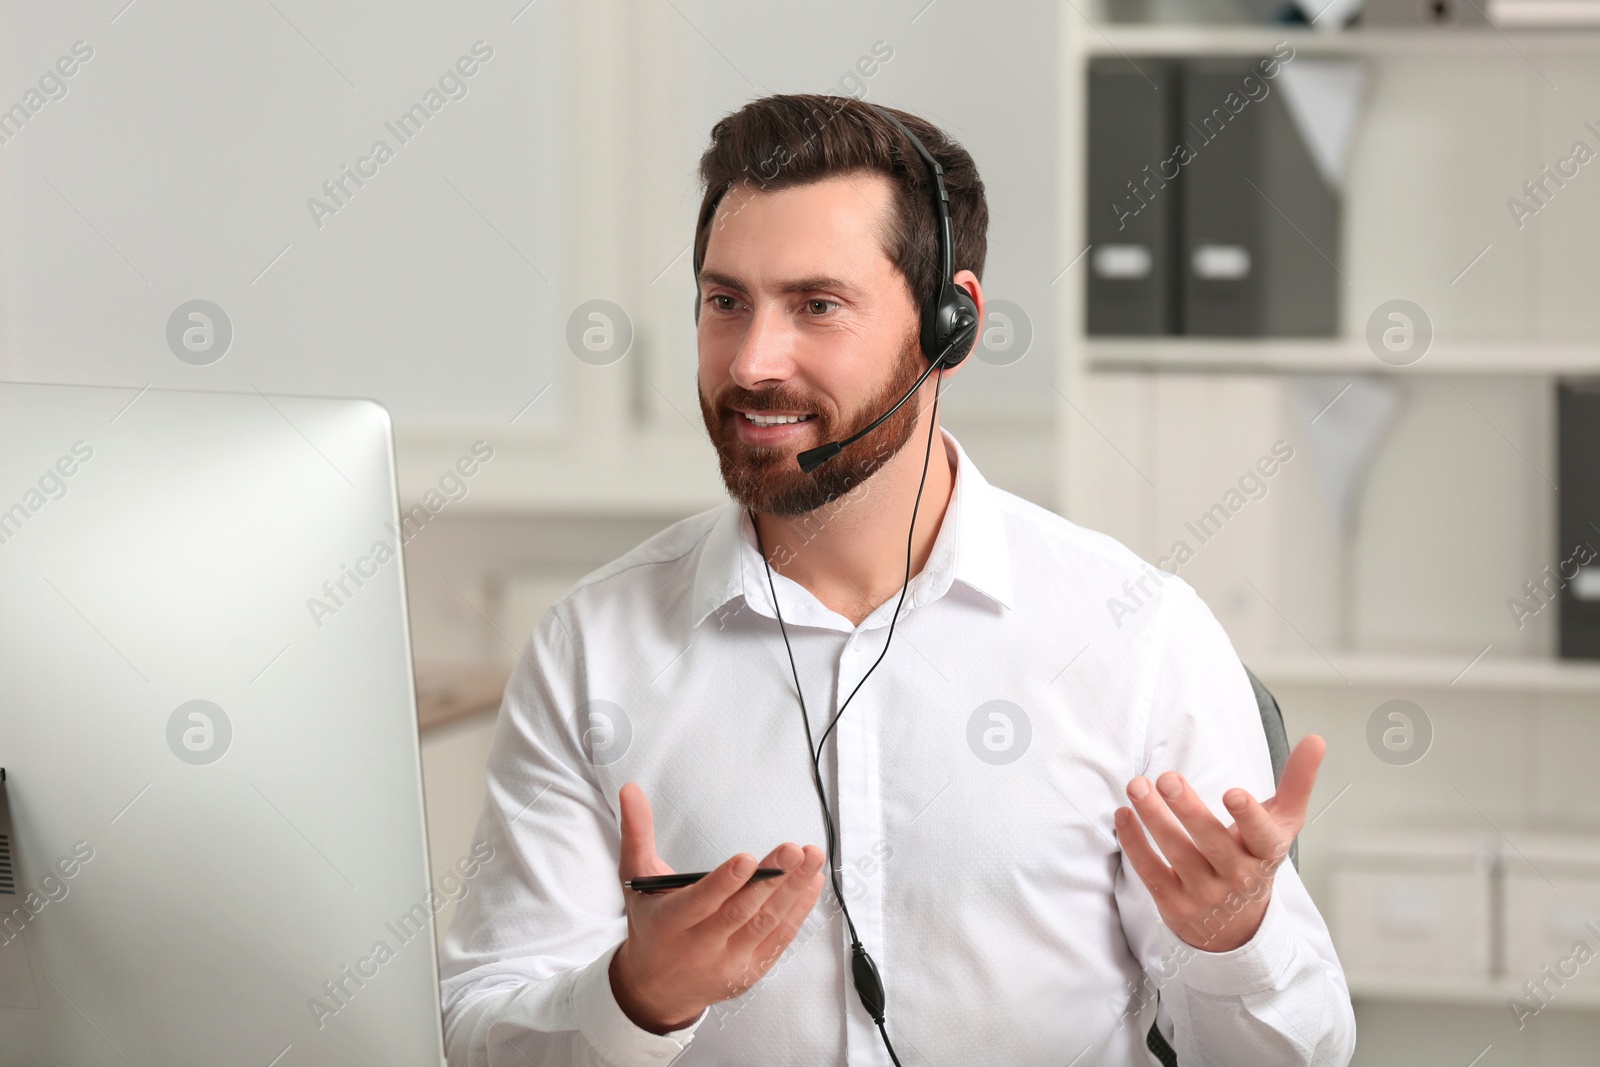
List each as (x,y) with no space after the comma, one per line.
(711,277)
(799,285)
(832,285)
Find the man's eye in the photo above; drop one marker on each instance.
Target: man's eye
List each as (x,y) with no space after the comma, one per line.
(821,307)
(722,302)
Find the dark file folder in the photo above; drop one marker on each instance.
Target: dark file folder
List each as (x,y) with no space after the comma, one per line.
(1575,577)
(1259,223)
(1133,208)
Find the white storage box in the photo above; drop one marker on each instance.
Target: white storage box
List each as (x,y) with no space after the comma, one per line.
(1552,905)
(1414,905)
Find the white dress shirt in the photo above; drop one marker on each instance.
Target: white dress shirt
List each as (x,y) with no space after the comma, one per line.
(973,779)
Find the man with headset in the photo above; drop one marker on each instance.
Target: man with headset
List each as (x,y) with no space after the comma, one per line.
(990,897)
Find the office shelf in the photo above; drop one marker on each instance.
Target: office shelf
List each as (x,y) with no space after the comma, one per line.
(1522,674)
(665,473)
(1156,39)
(636,473)
(1287,356)
(1497,993)
(447,692)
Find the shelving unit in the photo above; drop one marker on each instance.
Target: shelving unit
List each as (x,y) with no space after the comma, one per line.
(1412,222)
(1459,510)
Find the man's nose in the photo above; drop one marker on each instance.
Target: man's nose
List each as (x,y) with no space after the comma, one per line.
(766,351)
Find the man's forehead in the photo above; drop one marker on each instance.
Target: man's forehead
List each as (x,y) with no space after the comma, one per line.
(869,189)
(819,229)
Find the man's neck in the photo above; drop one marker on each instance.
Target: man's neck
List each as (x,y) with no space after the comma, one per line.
(851,552)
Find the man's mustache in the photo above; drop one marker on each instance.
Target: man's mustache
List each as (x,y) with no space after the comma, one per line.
(760,402)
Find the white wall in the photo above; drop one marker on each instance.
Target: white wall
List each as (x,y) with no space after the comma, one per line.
(179,165)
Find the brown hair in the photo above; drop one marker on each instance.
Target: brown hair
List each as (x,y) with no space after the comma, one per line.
(783,141)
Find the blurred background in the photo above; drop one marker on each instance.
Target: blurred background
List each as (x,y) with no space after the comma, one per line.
(1328,363)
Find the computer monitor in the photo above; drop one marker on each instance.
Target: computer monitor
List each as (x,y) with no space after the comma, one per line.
(208,726)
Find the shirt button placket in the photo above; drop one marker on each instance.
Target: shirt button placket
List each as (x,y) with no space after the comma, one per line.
(859,819)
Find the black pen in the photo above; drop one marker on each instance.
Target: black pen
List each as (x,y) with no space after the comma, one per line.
(656,883)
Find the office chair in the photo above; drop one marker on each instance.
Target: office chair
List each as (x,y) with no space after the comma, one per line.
(1278,749)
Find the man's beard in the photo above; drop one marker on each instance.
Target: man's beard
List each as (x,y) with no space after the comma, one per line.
(769,480)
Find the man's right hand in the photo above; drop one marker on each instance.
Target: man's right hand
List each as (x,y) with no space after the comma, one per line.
(689,948)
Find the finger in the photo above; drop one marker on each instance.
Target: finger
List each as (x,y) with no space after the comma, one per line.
(802,865)
(1147,864)
(691,905)
(639,857)
(1259,832)
(746,905)
(1167,831)
(1215,843)
(1288,805)
(767,953)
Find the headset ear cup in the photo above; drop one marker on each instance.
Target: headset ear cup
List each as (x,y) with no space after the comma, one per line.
(946,317)
(954,312)
(967,313)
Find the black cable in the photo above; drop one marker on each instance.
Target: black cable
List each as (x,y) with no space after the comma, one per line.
(860,959)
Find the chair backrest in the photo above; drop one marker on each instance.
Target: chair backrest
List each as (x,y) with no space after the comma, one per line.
(1278,750)
(1277,742)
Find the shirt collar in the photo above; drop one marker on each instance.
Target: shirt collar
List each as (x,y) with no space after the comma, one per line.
(970,548)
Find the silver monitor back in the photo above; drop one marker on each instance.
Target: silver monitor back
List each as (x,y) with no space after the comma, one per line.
(208,728)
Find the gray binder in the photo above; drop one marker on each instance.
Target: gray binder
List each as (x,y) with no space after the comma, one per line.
(1132,209)
(1575,576)
(1260,225)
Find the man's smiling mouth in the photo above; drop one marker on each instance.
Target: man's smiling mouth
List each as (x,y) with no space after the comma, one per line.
(773,420)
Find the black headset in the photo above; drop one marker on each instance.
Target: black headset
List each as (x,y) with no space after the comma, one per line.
(949,315)
(949,328)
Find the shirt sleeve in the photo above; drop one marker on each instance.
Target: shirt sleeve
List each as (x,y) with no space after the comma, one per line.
(1281,997)
(525,964)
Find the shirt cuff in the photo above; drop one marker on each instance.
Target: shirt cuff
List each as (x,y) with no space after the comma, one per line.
(607,1027)
(1253,966)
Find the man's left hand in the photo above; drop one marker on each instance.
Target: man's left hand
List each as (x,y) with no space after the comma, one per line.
(1215,892)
